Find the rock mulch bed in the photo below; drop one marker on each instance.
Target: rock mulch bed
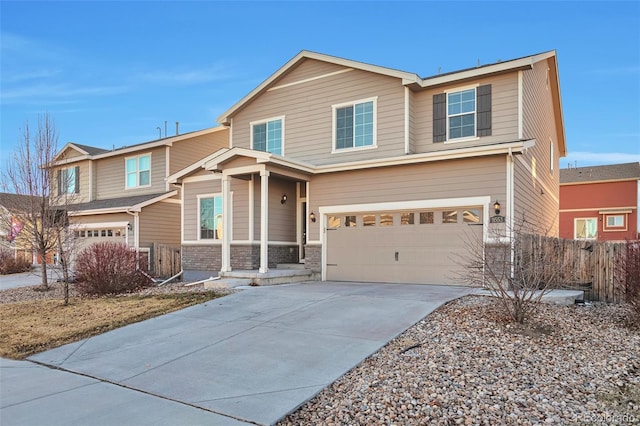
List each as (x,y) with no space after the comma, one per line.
(467,364)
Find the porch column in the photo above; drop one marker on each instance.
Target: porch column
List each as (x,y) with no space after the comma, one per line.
(264,222)
(226,224)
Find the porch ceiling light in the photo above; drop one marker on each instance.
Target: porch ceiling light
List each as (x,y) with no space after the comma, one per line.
(496,207)
(283,200)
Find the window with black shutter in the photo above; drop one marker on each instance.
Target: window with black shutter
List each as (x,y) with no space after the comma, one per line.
(462,114)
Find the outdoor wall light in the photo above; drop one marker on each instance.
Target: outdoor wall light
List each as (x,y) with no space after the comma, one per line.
(312,217)
(283,200)
(496,207)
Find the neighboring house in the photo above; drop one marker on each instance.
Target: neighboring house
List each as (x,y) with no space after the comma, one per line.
(122,195)
(367,173)
(14,232)
(599,202)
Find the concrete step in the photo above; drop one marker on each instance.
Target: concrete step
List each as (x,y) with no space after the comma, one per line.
(224,284)
(272,277)
(290,266)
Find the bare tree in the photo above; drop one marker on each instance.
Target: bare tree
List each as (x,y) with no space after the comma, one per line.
(518,266)
(40,211)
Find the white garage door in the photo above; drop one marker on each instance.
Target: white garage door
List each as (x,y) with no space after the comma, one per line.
(424,247)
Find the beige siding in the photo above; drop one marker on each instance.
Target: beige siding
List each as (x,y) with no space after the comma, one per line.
(191,208)
(536,197)
(160,223)
(83,195)
(282,217)
(504,113)
(71,153)
(429,181)
(186,152)
(110,173)
(240,209)
(308,113)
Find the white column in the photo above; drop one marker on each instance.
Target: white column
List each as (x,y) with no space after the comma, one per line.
(264,221)
(226,224)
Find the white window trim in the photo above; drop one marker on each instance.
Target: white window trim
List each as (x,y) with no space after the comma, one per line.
(621,228)
(475,114)
(253,123)
(334,125)
(575,220)
(137,157)
(198,234)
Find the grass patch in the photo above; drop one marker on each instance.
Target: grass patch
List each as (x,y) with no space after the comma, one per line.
(30,327)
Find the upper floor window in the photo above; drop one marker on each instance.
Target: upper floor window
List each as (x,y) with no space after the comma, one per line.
(267,136)
(69,180)
(138,171)
(615,221)
(354,125)
(462,113)
(210,217)
(586,229)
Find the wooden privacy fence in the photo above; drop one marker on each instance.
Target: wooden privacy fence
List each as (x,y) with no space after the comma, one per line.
(166,261)
(591,266)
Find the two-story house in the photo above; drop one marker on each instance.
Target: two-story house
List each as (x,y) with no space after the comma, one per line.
(122,195)
(599,202)
(366,173)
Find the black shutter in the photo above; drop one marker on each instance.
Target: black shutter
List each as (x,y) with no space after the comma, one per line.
(440,117)
(77,176)
(483,96)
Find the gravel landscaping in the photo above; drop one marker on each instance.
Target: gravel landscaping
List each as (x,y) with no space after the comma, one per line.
(466,364)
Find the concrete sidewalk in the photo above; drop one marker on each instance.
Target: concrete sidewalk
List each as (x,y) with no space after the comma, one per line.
(253,356)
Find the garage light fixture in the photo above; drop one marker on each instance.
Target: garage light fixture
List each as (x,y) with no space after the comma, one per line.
(283,200)
(496,207)
(312,217)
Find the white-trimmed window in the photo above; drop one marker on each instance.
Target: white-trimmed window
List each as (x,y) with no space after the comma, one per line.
(354,124)
(69,180)
(615,221)
(210,217)
(138,171)
(585,228)
(268,135)
(461,114)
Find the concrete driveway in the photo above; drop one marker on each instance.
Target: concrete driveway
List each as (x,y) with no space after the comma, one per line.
(253,356)
(29,278)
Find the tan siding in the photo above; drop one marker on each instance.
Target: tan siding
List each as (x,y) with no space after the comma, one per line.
(504,113)
(308,114)
(83,195)
(308,68)
(110,173)
(239,162)
(186,152)
(71,153)
(160,223)
(282,217)
(539,124)
(191,192)
(440,180)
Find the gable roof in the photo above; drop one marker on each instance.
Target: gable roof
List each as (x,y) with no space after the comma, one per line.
(93,153)
(408,79)
(17,202)
(588,174)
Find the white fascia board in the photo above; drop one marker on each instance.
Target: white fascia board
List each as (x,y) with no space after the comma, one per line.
(452,154)
(98,211)
(525,63)
(120,224)
(193,167)
(406,77)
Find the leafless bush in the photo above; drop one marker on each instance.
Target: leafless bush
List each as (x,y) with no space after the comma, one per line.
(9,264)
(108,268)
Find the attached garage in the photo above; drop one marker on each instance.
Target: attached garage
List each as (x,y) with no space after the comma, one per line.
(422,245)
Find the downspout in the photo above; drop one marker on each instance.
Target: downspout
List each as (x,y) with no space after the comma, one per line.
(136,235)
(510,208)
(407,147)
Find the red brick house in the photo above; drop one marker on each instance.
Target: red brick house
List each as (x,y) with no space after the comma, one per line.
(599,202)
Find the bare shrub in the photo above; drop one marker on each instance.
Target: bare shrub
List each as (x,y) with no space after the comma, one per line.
(9,264)
(629,281)
(108,268)
(518,266)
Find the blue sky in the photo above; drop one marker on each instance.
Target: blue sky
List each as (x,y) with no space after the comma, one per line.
(110,73)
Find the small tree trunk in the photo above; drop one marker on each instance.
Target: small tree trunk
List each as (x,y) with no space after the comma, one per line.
(45,278)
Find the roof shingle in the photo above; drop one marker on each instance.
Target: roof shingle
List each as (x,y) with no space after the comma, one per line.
(626,171)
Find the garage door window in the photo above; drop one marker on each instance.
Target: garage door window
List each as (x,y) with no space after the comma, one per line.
(450,216)
(386,219)
(426,218)
(407,218)
(334,222)
(369,220)
(471,216)
(350,221)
